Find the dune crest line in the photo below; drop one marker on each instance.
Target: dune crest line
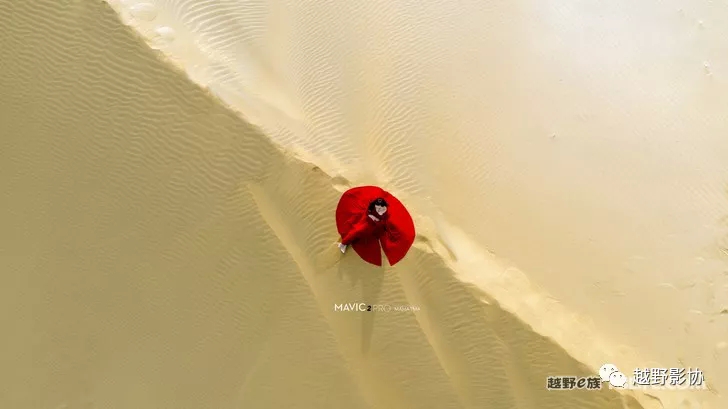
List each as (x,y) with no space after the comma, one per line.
(163,249)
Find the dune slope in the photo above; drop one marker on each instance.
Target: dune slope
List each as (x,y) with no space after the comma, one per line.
(160,251)
(582,142)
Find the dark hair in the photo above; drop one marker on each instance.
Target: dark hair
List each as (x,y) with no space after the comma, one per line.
(377,202)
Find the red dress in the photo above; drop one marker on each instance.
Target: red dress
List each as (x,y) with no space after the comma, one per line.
(395,229)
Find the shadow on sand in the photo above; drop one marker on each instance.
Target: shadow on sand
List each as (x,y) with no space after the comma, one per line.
(369,278)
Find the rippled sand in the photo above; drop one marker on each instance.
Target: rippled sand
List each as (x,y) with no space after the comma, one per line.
(170,170)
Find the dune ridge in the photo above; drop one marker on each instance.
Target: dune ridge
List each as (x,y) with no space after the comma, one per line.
(165,253)
(365,93)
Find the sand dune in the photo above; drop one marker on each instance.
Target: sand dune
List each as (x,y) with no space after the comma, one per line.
(168,215)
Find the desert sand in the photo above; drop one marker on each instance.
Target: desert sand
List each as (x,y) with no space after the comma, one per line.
(170,168)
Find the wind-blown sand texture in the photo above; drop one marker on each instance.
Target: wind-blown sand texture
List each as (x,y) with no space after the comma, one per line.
(170,168)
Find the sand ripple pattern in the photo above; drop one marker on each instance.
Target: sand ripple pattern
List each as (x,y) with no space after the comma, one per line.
(161,251)
(565,138)
(149,247)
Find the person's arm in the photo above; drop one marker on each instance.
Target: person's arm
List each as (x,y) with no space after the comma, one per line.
(356,232)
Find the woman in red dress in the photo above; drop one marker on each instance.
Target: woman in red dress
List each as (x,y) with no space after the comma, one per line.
(373,224)
(368,216)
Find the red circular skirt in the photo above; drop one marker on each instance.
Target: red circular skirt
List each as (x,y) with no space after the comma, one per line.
(398,235)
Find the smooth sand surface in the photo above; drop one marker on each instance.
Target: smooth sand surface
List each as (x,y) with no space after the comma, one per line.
(170,169)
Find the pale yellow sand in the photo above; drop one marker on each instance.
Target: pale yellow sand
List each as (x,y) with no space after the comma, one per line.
(162,251)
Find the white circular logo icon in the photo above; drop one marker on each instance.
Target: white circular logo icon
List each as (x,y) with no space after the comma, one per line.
(617,379)
(606,371)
